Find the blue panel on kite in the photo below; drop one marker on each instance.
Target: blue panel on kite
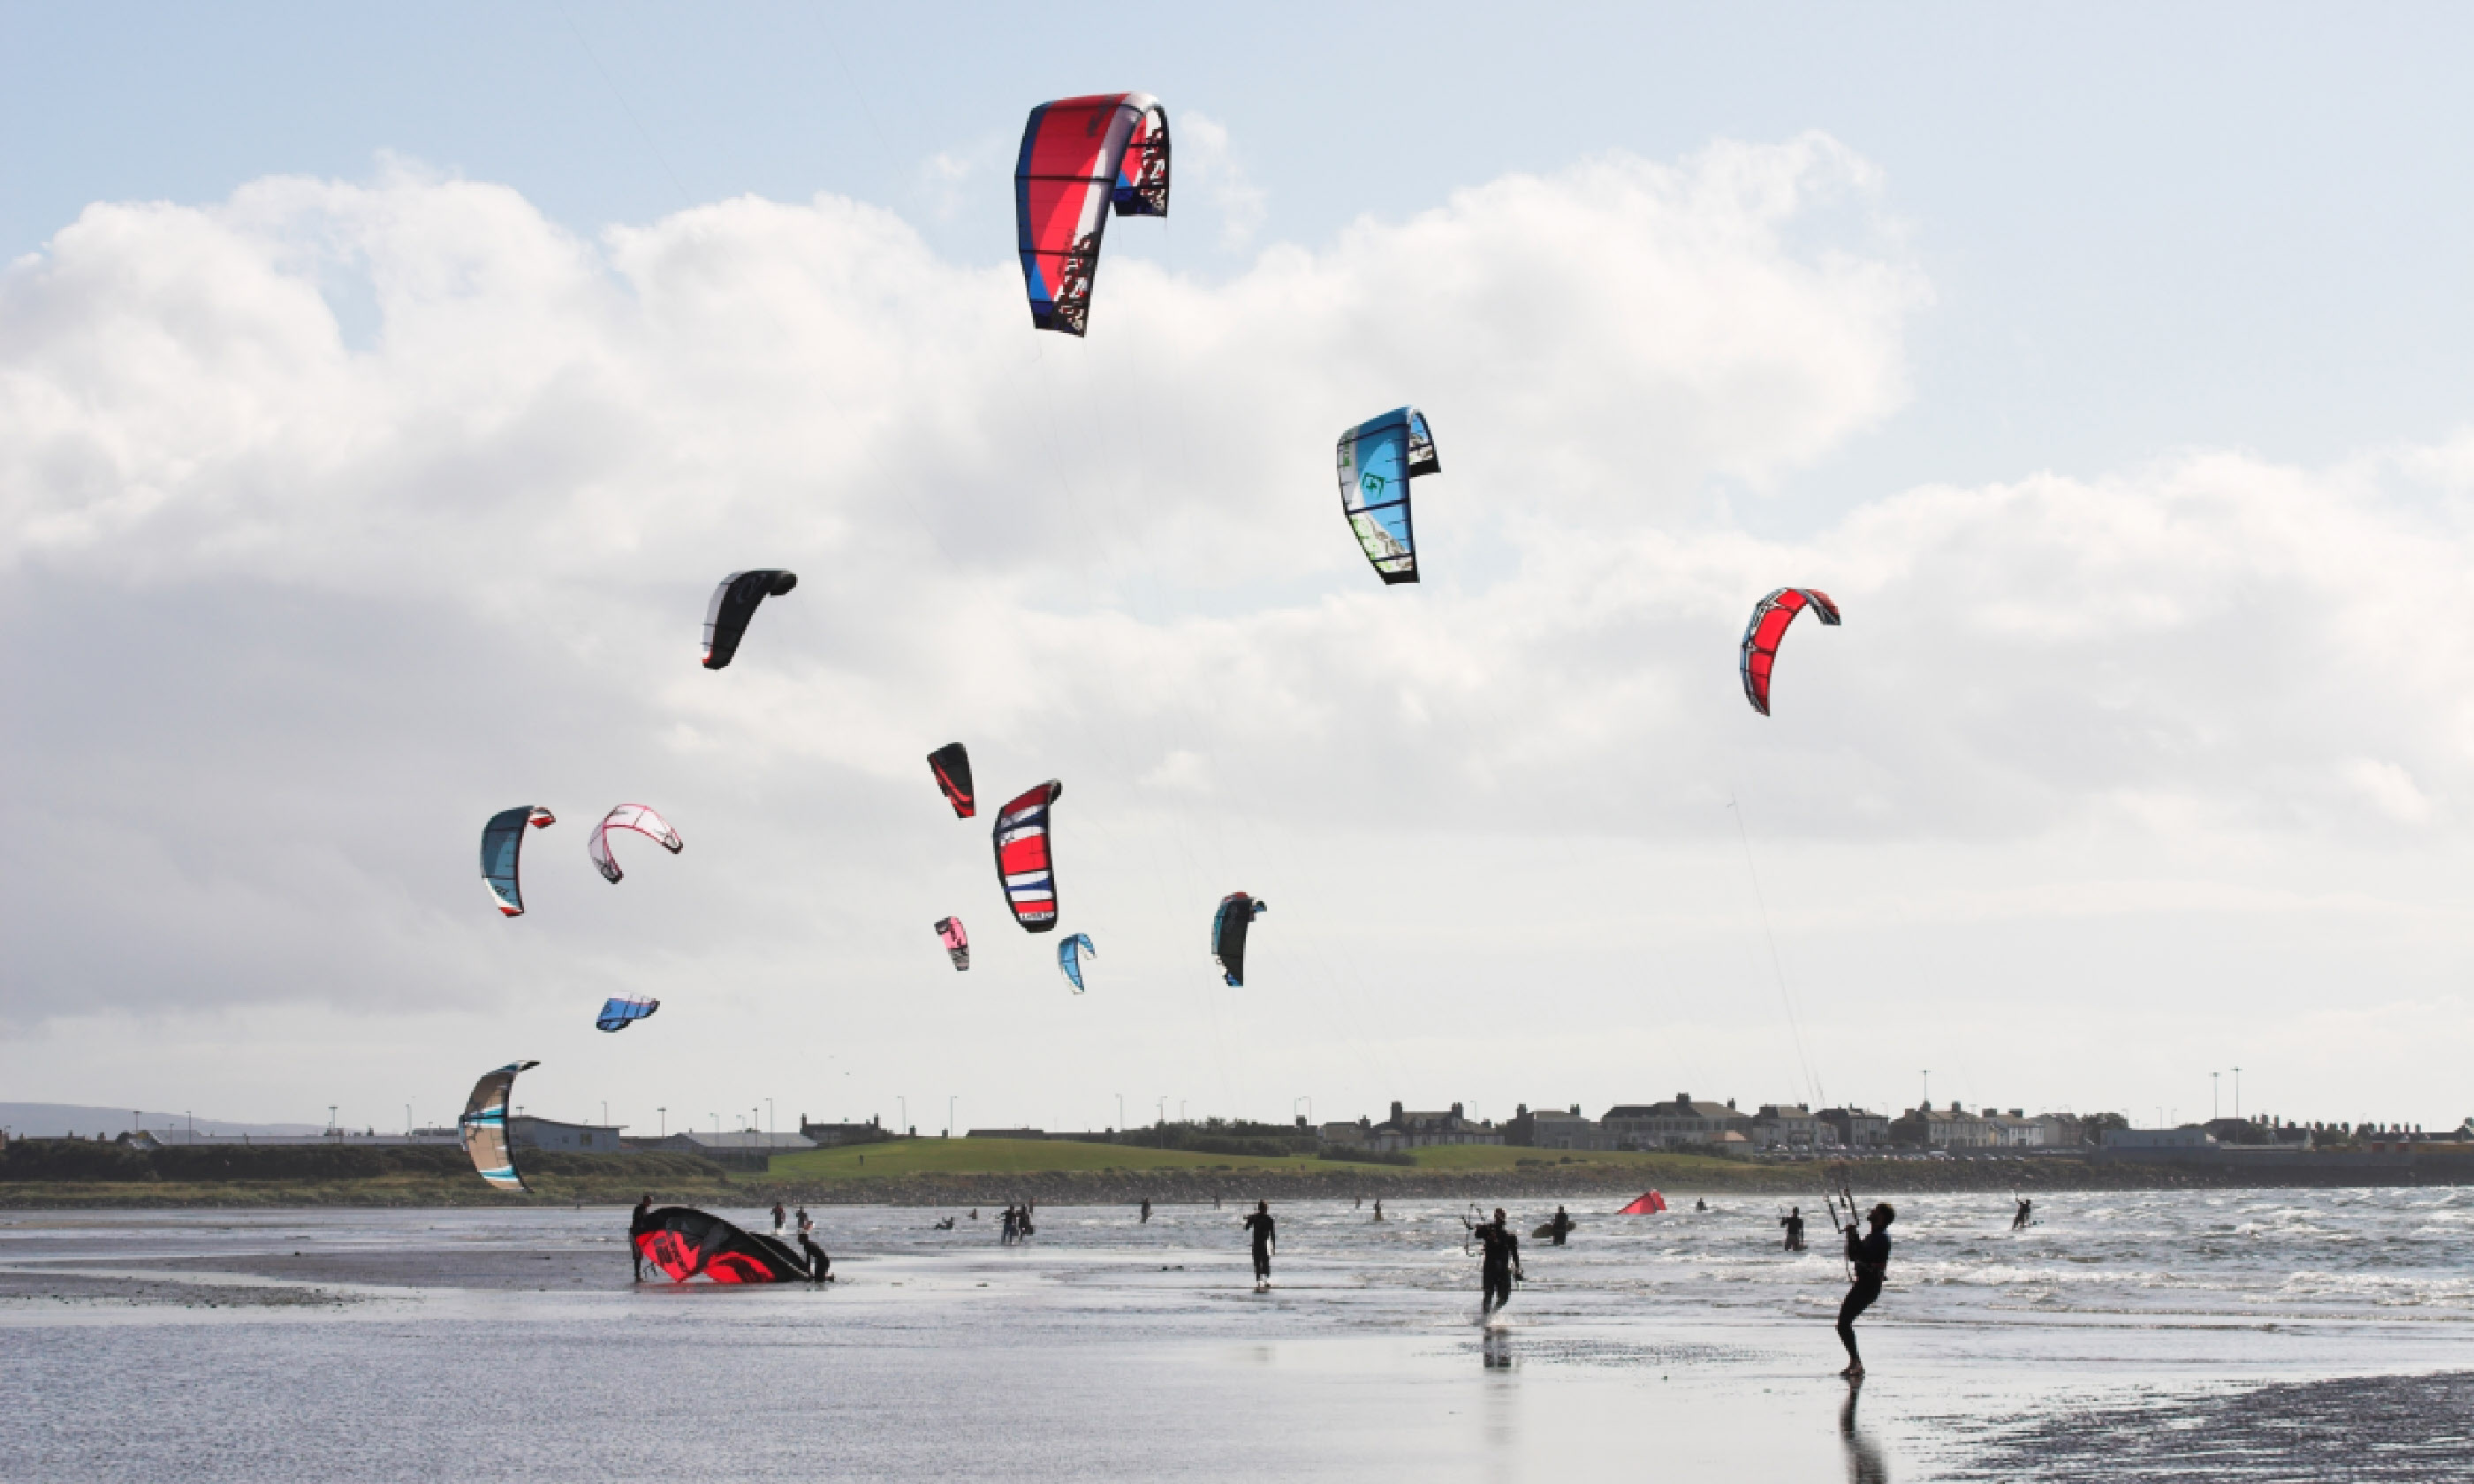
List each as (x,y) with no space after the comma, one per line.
(616,1015)
(1378,458)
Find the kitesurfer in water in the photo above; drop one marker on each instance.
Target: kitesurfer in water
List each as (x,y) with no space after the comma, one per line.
(779,1217)
(1378,1207)
(820,1267)
(1006,1239)
(806,1223)
(1259,1225)
(1560,1228)
(1499,1264)
(1869,1256)
(2019,1222)
(638,1226)
(1793,1221)
(1147,1211)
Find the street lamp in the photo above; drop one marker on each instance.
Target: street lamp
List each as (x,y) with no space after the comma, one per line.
(1120,1112)
(768,1116)
(2237,1092)
(906,1112)
(2212,1096)
(665,1112)
(1927,1089)
(949,1113)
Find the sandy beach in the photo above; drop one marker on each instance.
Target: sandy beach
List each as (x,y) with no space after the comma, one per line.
(327,1345)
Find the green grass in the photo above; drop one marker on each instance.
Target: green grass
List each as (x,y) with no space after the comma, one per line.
(1004,1157)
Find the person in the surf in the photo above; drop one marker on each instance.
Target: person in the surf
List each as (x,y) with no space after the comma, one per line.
(1378,1207)
(2019,1222)
(1560,1228)
(1793,1221)
(1498,1263)
(1259,1227)
(779,1217)
(806,1223)
(1006,1236)
(637,1226)
(1146,1211)
(1869,1253)
(820,1267)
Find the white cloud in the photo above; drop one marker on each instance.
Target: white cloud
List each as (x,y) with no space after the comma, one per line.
(1205,167)
(297,608)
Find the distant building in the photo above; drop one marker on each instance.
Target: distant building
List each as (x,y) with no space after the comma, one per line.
(1347,1135)
(1553,1128)
(1667,1125)
(1004,1133)
(1934,1128)
(1409,1128)
(2188,1136)
(744,1150)
(829,1136)
(1787,1126)
(1854,1128)
(526,1132)
(2015,1130)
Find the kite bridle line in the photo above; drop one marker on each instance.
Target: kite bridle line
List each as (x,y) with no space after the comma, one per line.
(1778,966)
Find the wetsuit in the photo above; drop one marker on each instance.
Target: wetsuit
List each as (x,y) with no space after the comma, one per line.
(1502,1255)
(1260,1225)
(820,1266)
(1794,1232)
(1871,1256)
(1560,1228)
(637,1227)
(2019,1222)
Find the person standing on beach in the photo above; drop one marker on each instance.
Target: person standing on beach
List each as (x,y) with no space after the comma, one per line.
(1870,1254)
(637,1226)
(1259,1225)
(1499,1264)
(2019,1222)
(1146,1211)
(779,1217)
(1793,1221)
(1378,1207)
(1006,1238)
(1560,1227)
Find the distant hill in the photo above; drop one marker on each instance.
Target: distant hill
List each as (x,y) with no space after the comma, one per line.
(52,1120)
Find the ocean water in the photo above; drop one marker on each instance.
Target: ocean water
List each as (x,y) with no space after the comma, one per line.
(511,1345)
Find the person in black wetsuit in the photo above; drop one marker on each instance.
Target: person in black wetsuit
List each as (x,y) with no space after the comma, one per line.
(1259,1225)
(1870,1254)
(1499,1264)
(636,1227)
(1146,1211)
(1560,1227)
(820,1267)
(2019,1222)
(1793,1221)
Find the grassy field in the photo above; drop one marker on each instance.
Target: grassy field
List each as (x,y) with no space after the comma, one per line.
(1039,1156)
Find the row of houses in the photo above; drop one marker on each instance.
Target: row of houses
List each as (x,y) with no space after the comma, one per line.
(1686,1122)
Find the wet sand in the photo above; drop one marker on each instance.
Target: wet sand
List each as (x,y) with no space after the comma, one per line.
(513,1346)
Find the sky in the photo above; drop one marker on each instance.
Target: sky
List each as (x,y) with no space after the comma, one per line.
(381,395)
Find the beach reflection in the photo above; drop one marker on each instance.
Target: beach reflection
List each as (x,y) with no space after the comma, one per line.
(1865,1463)
(1496,1349)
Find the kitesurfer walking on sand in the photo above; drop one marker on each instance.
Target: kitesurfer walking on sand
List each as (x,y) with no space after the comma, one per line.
(637,1226)
(1869,1256)
(1259,1225)
(1499,1264)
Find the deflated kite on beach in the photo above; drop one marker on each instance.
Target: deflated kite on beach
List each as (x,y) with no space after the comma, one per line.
(1081,157)
(687,1243)
(484,1127)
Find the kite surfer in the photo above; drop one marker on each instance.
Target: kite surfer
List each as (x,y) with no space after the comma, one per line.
(820,1266)
(1560,1227)
(1146,1211)
(2019,1222)
(1259,1225)
(1793,1221)
(1378,1207)
(1499,1264)
(806,1223)
(637,1226)
(1008,1237)
(779,1217)
(1869,1256)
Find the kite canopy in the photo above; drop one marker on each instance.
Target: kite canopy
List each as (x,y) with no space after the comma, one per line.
(639,818)
(1378,458)
(958,942)
(685,1242)
(1024,865)
(1237,912)
(616,1015)
(1069,955)
(503,845)
(952,766)
(1770,618)
(1080,156)
(1649,1204)
(734,604)
(484,1127)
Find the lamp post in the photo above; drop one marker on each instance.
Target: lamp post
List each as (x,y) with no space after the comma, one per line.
(2237,1092)
(665,1112)
(2212,1096)
(906,1112)
(768,1116)
(1928,1090)
(949,1113)
(1120,1112)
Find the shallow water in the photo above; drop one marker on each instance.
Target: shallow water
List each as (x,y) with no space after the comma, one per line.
(509,1344)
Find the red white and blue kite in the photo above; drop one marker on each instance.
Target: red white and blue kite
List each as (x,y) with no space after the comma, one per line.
(1024,864)
(1770,618)
(1080,158)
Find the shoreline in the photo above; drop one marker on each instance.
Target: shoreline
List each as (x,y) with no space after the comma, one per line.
(1683,1177)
